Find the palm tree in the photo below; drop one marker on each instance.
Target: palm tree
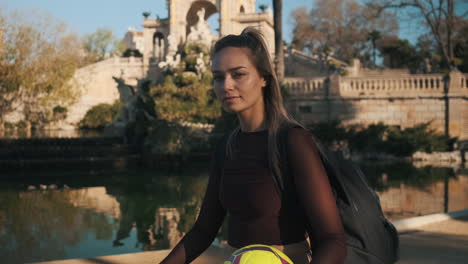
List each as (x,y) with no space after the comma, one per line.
(279,58)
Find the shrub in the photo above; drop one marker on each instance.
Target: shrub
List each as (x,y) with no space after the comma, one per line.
(9,125)
(169,138)
(196,48)
(21,124)
(59,112)
(385,139)
(328,132)
(194,102)
(100,116)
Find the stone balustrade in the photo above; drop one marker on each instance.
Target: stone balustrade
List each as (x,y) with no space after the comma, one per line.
(301,86)
(419,85)
(409,85)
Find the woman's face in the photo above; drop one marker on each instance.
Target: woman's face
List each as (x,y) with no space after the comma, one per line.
(237,82)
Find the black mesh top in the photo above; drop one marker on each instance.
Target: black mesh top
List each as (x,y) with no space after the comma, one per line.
(256,214)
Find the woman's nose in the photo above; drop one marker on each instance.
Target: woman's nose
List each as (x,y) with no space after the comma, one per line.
(228,84)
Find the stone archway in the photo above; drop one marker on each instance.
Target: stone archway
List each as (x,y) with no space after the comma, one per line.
(158,46)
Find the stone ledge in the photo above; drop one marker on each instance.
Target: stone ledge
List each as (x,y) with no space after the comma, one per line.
(415,222)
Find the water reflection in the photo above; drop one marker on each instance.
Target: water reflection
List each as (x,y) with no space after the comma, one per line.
(138,211)
(49,133)
(408,191)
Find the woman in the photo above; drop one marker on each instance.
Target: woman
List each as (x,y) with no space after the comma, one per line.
(242,187)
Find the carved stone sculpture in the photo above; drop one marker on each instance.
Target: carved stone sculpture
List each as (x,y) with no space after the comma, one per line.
(200,32)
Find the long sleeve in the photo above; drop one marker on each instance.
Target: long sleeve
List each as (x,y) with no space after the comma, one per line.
(327,237)
(206,227)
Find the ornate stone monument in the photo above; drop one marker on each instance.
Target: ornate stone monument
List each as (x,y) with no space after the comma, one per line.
(187,22)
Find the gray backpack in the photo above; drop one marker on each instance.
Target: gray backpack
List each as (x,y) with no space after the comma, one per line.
(371,238)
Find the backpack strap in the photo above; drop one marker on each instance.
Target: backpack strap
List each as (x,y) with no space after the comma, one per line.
(328,160)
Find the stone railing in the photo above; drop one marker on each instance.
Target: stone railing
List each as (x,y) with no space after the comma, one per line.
(308,87)
(375,86)
(410,85)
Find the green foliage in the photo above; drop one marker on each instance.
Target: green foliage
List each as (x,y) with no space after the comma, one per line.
(185,79)
(404,173)
(100,116)
(170,138)
(418,138)
(328,132)
(385,139)
(38,58)
(21,124)
(400,53)
(100,44)
(196,48)
(59,112)
(132,53)
(194,102)
(8,125)
(191,62)
(184,95)
(59,109)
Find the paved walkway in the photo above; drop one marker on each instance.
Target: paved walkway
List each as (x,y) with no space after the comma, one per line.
(444,242)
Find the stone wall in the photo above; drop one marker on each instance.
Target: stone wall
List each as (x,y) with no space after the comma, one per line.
(97,86)
(404,100)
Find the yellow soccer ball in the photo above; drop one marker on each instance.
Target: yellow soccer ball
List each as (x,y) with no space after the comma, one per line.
(258,254)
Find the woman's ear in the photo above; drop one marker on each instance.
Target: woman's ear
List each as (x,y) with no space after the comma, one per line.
(264,82)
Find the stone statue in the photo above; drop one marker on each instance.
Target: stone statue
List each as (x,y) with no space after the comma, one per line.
(172,45)
(170,63)
(172,59)
(126,92)
(201,15)
(200,66)
(200,32)
(137,106)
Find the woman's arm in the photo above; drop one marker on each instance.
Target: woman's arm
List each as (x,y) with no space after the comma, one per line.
(328,240)
(205,229)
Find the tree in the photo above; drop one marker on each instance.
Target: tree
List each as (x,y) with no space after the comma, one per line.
(279,58)
(438,16)
(461,46)
(399,53)
(263,8)
(38,57)
(373,36)
(101,44)
(340,27)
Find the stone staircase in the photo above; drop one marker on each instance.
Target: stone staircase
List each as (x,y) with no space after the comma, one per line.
(47,154)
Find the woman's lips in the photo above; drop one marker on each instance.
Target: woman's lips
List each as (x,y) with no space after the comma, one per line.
(231,98)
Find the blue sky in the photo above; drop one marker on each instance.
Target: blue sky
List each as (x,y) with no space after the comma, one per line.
(85,16)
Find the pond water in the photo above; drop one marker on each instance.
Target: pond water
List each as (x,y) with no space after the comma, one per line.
(46,216)
(49,133)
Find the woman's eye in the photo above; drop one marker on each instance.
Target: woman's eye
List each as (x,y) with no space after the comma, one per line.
(237,75)
(218,77)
